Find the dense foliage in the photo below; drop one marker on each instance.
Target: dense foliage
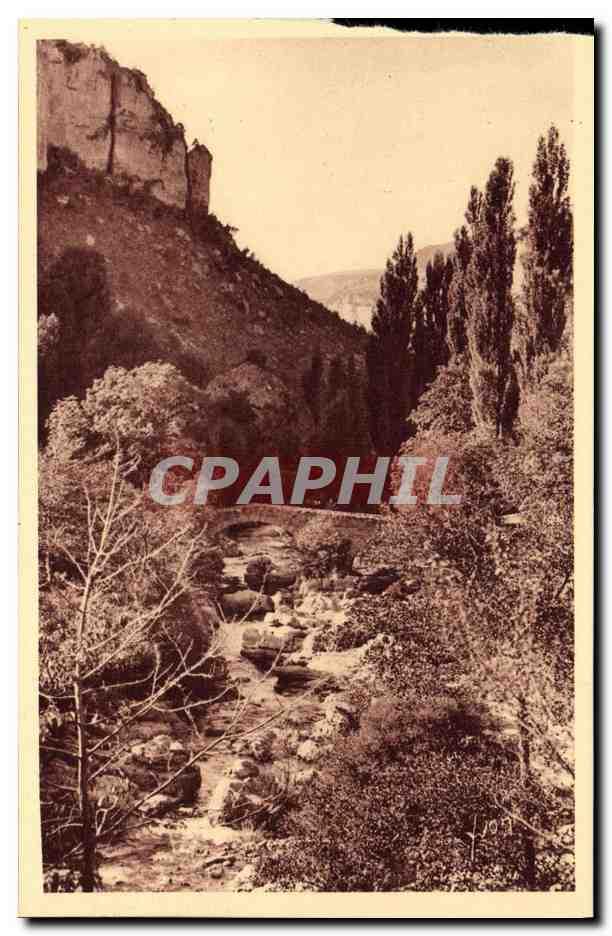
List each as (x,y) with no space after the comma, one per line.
(460,774)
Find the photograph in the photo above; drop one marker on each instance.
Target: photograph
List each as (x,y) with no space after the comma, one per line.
(307,426)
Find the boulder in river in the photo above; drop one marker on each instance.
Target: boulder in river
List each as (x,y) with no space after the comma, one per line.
(245,879)
(286,639)
(341,713)
(246,604)
(261,747)
(261,657)
(158,806)
(243,768)
(150,764)
(293,678)
(231,584)
(261,574)
(225,802)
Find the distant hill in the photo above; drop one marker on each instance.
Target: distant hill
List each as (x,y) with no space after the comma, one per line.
(353,293)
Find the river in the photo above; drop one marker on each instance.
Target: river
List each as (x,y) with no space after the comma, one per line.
(185,850)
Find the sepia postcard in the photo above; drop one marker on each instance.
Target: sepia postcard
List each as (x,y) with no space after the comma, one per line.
(306,426)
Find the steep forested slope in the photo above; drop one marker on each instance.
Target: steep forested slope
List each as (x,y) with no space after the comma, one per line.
(168,290)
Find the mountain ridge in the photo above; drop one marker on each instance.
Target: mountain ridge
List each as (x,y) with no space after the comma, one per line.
(353,293)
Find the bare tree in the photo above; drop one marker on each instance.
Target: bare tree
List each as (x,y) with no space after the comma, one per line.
(114,563)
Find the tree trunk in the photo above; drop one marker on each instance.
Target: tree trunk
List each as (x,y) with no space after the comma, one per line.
(88,832)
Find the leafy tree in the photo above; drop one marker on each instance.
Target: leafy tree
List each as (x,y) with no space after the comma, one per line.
(429,345)
(80,332)
(148,411)
(422,368)
(446,406)
(73,300)
(420,798)
(344,426)
(48,331)
(352,374)
(511,402)
(489,295)
(388,357)
(69,430)
(547,261)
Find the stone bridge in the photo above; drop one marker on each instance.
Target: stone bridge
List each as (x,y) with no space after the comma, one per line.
(306,524)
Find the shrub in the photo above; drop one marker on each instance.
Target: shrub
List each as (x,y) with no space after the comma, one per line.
(409,802)
(335,554)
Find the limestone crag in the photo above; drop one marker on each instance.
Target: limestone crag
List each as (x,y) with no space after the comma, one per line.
(147,145)
(199,162)
(110,118)
(74,102)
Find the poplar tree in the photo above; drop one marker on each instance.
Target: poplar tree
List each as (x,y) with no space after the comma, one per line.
(457,312)
(488,296)
(422,366)
(547,260)
(388,354)
(435,302)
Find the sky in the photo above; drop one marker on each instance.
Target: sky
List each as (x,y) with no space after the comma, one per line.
(326,149)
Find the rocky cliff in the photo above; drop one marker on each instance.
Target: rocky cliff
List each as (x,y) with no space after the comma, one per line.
(126,241)
(110,118)
(157,287)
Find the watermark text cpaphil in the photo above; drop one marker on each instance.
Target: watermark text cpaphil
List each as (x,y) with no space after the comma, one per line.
(310,474)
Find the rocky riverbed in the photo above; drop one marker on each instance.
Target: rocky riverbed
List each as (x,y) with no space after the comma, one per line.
(266,740)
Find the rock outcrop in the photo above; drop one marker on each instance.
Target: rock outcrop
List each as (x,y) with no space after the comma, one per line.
(110,118)
(74,102)
(147,146)
(199,168)
(244,795)
(353,293)
(374,577)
